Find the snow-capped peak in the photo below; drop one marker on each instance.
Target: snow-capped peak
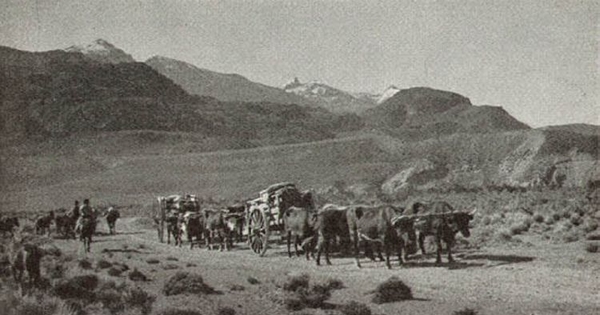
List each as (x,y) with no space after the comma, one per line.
(102,51)
(387,93)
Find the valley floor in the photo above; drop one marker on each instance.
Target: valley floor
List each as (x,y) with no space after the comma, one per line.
(534,278)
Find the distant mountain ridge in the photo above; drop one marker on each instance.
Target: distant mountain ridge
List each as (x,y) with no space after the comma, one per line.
(102,51)
(224,87)
(330,98)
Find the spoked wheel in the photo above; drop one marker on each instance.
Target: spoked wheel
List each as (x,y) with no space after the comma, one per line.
(258,234)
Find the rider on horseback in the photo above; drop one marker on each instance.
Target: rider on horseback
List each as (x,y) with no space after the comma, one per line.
(86,213)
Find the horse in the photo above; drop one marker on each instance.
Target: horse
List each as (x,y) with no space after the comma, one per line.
(111,219)
(88,226)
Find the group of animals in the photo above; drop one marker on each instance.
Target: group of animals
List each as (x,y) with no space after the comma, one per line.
(381,228)
(210,225)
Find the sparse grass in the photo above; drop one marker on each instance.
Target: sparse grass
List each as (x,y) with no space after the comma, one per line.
(186,283)
(590,225)
(538,217)
(355,308)
(114,272)
(179,311)
(226,311)
(503,235)
(137,275)
(591,247)
(79,287)
(237,287)
(103,264)
(334,284)
(253,280)
(570,236)
(136,297)
(392,290)
(300,295)
(293,283)
(465,311)
(85,264)
(170,266)
(152,261)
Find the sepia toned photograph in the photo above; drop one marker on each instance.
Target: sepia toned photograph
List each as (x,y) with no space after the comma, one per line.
(324,157)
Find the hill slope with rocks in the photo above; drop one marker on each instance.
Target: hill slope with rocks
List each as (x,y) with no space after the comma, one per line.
(102,51)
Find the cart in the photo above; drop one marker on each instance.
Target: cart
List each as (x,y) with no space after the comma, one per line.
(264,214)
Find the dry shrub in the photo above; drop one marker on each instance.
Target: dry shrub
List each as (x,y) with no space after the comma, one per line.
(392,290)
(571,236)
(114,272)
(170,267)
(226,311)
(85,264)
(152,261)
(550,220)
(465,311)
(136,297)
(111,300)
(137,275)
(190,265)
(503,235)
(576,219)
(55,270)
(171,258)
(41,304)
(538,217)
(179,311)
(518,229)
(299,294)
(79,287)
(293,283)
(103,264)
(590,225)
(237,287)
(185,282)
(595,236)
(253,280)
(334,284)
(556,216)
(591,247)
(355,308)
(486,220)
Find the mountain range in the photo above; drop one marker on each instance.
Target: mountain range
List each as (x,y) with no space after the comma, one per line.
(96,96)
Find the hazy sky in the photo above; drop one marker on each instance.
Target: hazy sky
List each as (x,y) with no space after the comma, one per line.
(537,59)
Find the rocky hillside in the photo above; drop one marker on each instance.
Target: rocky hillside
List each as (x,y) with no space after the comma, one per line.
(102,51)
(222,86)
(422,113)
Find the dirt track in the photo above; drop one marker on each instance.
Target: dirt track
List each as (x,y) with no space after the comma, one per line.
(538,279)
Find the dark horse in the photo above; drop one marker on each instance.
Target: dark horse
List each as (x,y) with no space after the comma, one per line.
(111,219)
(88,226)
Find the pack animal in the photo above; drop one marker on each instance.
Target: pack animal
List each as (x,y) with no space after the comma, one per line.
(193,227)
(300,224)
(42,224)
(375,225)
(331,224)
(215,228)
(25,257)
(442,227)
(111,219)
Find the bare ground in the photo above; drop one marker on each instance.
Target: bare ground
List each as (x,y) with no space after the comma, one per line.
(535,277)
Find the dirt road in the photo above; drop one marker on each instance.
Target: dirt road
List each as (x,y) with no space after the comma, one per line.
(541,278)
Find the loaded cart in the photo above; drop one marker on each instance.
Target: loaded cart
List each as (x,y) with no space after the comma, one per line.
(264,214)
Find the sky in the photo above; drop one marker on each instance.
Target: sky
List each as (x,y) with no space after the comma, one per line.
(538,59)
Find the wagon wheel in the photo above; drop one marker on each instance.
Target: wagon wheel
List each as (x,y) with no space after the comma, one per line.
(258,232)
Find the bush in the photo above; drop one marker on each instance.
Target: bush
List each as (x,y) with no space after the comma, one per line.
(486,221)
(253,280)
(237,287)
(136,275)
(171,258)
(334,284)
(55,270)
(576,219)
(392,290)
(179,311)
(111,300)
(293,304)
(556,216)
(103,264)
(185,282)
(518,229)
(85,264)
(152,261)
(355,308)
(295,282)
(503,235)
(538,218)
(170,267)
(465,311)
(571,236)
(593,236)
(550,220)
(591,247)
(79,287)
(137,297)
(114,272)
(226,311)
(590,225)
